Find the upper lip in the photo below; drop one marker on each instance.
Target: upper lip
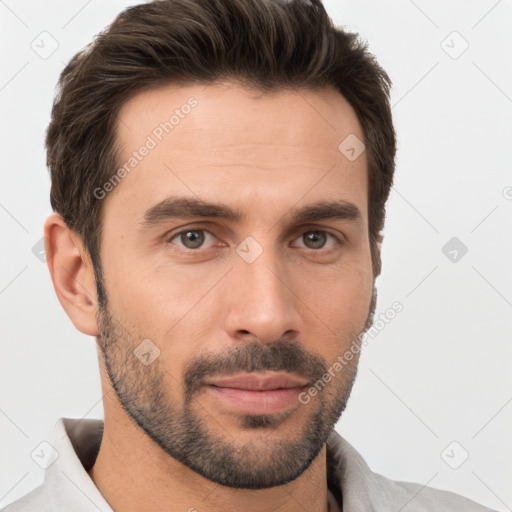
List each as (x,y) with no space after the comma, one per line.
(259,381)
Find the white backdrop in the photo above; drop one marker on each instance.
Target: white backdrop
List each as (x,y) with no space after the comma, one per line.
(433,399)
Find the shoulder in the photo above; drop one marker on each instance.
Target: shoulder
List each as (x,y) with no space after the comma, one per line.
(36,500)
(419,498)
(360,488)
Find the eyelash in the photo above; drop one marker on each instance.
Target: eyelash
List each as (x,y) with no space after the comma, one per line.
(322,251)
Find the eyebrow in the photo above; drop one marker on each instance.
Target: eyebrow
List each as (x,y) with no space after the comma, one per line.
(187,207)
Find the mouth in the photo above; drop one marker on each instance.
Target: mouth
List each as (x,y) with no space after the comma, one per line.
(257,393)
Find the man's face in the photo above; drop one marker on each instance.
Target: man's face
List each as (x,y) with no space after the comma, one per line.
(194,300)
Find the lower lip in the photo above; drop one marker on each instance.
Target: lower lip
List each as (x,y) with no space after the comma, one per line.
(248,401)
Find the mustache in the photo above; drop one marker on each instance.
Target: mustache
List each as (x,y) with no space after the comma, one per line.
(253,357)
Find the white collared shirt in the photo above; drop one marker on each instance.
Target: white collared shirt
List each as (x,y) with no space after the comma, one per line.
(67,486)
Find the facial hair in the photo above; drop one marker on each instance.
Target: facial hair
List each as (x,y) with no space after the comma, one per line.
(181,430)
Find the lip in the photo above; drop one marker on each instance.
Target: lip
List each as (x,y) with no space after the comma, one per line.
(257,394)
(259,382)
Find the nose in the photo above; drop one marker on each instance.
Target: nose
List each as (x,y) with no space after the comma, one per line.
(260,302)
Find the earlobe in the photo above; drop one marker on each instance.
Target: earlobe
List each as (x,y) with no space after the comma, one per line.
(72,274)
(380,238)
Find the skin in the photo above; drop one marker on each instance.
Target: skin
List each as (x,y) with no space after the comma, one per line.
(264,154)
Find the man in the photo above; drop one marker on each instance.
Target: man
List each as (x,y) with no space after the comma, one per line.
(219,175)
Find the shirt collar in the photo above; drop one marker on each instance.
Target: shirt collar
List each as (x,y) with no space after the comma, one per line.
(77,442)
(68,484)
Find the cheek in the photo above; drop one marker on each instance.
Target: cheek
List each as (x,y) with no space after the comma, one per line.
(345,287)
(337,303)
(171,308)
(355,290)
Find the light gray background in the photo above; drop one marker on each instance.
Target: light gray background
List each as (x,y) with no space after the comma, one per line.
(439,372)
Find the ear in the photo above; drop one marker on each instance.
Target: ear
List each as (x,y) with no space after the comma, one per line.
(72,274)
(377,255)
(380,239)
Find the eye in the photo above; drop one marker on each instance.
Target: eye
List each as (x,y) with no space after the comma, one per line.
(316,239)
(192,238)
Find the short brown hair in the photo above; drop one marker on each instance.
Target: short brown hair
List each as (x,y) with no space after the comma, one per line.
(266,44)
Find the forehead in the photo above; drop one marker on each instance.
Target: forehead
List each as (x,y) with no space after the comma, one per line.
(227,113)
(237,145)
